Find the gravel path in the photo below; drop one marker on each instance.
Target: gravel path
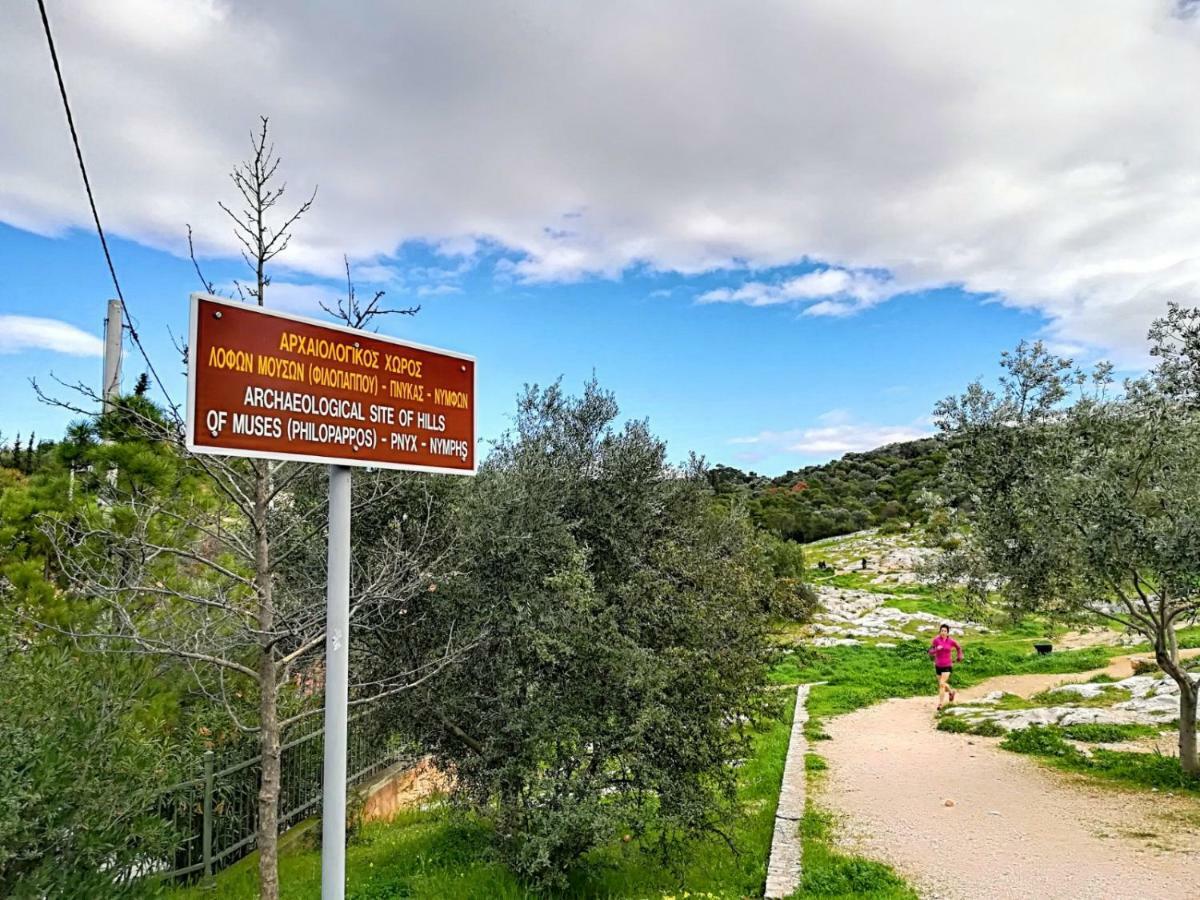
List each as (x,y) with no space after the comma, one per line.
(1012,827)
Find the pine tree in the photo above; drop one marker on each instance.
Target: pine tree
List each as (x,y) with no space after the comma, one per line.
(29,453)
(142,386)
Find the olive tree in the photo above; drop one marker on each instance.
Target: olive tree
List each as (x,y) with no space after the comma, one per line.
(1083,499)
(620,648)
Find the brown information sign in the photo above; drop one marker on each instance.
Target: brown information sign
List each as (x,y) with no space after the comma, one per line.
(272,385)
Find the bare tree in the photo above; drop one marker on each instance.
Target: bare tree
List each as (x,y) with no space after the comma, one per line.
(357,314)
(221,567)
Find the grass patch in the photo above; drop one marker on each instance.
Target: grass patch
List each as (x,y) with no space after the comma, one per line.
(1099,733)
(959,725)
(829,873)
(856,581)
(1040,740)
(1009,701)
(1059,697)
(1137,770)
(945,608)
(433,855)
(814,762)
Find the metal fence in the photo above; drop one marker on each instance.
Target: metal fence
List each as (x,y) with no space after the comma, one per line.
(216,813)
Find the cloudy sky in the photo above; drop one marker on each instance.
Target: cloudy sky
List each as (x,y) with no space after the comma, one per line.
(780,230)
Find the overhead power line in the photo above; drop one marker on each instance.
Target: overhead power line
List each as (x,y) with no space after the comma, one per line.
(87,184)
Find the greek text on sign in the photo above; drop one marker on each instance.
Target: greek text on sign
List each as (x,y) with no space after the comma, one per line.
(267,384)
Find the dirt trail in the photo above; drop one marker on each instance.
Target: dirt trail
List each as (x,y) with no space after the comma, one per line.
(1016,829)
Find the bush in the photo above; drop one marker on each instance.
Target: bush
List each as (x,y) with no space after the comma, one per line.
(621,629)
(1040,740)
(954,724)
(79,780)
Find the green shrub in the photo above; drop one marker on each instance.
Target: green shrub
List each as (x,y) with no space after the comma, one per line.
(1040,740)
(954,724)
(988,728)
(80,778)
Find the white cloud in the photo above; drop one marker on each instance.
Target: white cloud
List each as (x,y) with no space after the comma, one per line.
(836,433)
(1043,153)
(852,291)
(19,333)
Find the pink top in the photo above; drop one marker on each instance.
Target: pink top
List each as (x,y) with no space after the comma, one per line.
(941,649)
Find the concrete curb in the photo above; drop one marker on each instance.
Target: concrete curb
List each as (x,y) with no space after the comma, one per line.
(784,867)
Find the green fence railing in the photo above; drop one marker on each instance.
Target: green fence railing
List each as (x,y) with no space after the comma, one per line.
(216,813)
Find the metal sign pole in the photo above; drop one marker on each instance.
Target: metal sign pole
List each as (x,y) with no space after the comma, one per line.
(337,676)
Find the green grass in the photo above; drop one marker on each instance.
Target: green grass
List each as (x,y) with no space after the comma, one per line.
(1107,697)
(1130,769)
(1009,701)
(947,609)
(959,725)
(434,855)
(1100,733)
(829,873)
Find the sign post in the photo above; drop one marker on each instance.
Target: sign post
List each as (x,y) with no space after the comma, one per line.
(275,386)
(337,683)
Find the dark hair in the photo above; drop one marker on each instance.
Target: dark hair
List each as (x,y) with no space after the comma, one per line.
(943,625)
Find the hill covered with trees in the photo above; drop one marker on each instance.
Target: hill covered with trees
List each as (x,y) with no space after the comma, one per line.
(880,487)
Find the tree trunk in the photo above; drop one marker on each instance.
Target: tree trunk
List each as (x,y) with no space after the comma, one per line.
(268,793)
(1187,728)
(1167,656)
(268,704)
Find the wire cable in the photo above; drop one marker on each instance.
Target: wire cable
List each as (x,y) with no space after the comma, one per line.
(87,184)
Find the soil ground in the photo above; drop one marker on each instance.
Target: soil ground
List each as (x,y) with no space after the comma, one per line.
(959,817)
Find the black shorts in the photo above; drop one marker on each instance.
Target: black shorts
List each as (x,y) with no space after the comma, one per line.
(942,670)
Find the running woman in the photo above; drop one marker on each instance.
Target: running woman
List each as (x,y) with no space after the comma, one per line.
(942,648)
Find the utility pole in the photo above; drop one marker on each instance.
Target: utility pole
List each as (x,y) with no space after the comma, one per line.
(113,332)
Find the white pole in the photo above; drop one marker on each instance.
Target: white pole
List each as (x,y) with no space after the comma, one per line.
(112,354)
(337,676)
